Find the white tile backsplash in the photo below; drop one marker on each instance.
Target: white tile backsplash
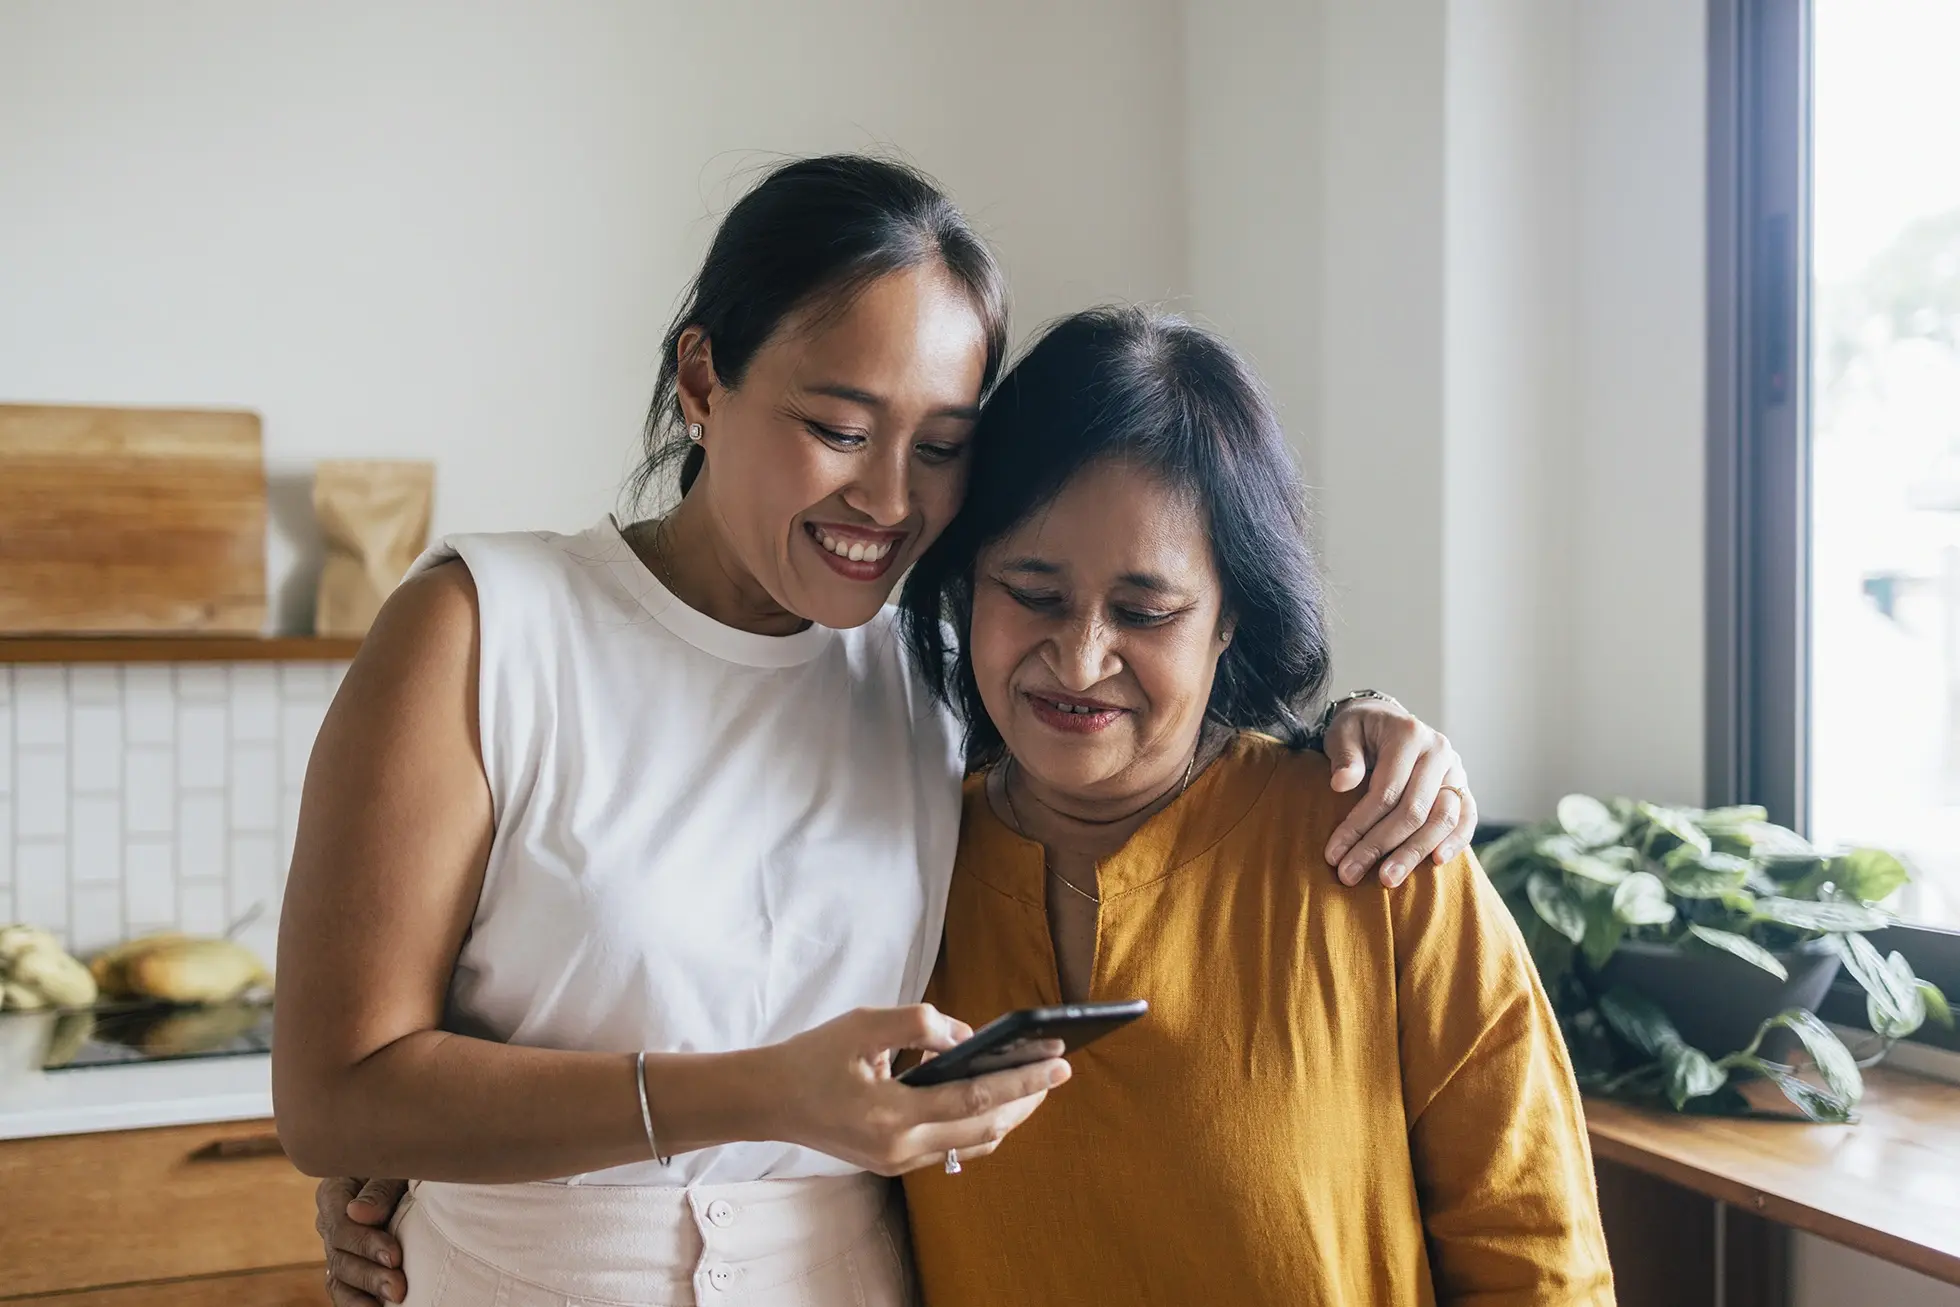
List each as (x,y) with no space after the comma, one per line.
(97,748)
(40,793)
(147,796)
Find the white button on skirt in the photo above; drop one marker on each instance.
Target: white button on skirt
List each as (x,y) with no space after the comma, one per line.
(770,1243)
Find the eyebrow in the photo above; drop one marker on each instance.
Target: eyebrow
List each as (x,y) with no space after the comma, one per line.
(837,390)
(1149,581)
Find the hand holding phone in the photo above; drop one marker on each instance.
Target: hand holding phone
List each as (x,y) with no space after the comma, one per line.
(1029,1035)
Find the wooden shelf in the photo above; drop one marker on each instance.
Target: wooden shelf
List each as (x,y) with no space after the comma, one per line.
(175,649)
(1888,1184)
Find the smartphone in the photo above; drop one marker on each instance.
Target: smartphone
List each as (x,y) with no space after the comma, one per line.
(1016,1039)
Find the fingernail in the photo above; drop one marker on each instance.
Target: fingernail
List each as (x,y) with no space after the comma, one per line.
(387,1259)
(1337,850)
(1057,1074)
(1351,873)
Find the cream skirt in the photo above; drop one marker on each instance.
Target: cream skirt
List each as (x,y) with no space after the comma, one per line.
(827,1242)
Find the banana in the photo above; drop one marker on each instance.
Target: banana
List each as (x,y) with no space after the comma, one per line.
(196,971)
(18,939)
(110,967)
(60,979)
(20,998)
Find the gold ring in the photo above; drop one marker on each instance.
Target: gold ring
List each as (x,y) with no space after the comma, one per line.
(1462,797)
(952,1161)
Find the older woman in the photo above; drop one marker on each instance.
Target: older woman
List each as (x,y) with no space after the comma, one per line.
(1339,1096)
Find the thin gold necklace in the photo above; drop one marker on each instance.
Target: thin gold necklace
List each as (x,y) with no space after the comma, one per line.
(1007,793)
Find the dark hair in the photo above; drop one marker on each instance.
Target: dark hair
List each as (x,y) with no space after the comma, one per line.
(1154,390)
(812,233)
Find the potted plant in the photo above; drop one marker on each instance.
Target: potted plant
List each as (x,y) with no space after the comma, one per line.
(1687,949)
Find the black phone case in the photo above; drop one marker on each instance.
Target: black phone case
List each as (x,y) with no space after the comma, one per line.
(1011,1040)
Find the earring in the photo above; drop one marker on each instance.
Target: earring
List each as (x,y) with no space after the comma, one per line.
(694,432)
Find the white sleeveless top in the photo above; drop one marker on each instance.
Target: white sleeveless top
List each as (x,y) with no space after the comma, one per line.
(706,839)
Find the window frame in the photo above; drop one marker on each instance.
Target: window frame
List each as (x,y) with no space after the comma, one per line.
(1758,489)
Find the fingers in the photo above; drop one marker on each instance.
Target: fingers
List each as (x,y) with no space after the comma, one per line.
(1465,831)
(375,1204)
(355,1280)
(1396,831)
(964,1100)
(1356,844)
(330,1199)
(918,1025)
(1345,752)
(970,1139)
(343,1295)
(1428,838)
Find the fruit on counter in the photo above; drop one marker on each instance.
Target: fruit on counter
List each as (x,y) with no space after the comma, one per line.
(195,971)
(110,967)
(36,972)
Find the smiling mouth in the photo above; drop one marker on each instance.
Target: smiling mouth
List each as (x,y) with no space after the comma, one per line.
(857,555)
(1074,716)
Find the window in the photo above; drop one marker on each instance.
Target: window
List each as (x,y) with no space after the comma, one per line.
(1834,434)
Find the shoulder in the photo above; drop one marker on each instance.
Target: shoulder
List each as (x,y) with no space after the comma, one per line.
(1291,789)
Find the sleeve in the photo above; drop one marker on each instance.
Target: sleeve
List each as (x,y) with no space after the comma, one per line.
(1503,1168)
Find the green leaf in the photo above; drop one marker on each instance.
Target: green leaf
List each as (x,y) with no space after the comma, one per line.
(1892,1003)
(1741,946)
(1800,914)
(1504,851)
(1868,875)
(1641,900)
(1693,874)
(1819,1105)
(1556,905)
(1936,1006)
(1604,930)
(1767,840)
(1588,821)
(1635,1018)
(1666,829)
(1741,816)
(1833,1059)
(1569,856)
(1690,1074)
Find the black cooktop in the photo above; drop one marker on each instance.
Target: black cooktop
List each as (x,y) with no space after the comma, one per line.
(158,1032)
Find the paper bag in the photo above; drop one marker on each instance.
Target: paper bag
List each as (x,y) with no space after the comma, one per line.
(374,517)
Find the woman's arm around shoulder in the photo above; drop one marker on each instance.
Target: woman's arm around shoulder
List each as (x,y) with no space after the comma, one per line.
(1503,1166)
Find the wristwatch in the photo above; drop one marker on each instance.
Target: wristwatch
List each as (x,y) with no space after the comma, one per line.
(1317,735)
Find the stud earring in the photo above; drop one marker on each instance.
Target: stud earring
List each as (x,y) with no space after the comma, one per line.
(694,432)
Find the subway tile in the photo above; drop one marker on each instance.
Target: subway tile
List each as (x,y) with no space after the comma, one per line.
(41,884)
(201,908)
(41,793)
(254,701)
(40,706)
(6,842)
(96,749)
(96,843)
(149,885)
(149,705)
(204,681)
(98,919)
(150,791)
(97,683)
(254,875)
(201,836)
(299,724)
(254,788)
(202,749)
(6,747)
(303,682)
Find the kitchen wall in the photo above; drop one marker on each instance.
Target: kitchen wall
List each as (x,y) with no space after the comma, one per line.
(455,230)
(142,797)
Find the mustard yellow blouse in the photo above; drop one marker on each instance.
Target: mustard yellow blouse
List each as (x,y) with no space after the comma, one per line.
(1339,1097)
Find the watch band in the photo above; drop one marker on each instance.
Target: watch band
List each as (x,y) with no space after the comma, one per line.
(1317,736)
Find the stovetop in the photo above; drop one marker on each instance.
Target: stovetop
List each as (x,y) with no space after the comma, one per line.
(158,1032)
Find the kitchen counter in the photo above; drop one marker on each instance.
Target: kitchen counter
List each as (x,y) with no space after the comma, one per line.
(135,1096)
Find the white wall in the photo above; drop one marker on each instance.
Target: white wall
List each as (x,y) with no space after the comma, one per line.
(454,230)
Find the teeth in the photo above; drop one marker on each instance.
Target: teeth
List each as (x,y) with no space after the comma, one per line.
(857,551)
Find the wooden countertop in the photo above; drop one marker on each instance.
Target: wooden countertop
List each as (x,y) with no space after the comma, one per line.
(1888,1184)
(175,649)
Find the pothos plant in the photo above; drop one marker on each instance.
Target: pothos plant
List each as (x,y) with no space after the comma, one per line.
(1600,874)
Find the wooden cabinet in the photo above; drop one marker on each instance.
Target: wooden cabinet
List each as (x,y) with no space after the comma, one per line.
(215,1211)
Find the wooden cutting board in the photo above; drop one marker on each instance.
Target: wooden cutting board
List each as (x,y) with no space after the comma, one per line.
(130,520)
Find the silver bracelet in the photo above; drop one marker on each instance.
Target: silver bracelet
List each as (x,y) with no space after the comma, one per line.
(646,1112)
(1317,735)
